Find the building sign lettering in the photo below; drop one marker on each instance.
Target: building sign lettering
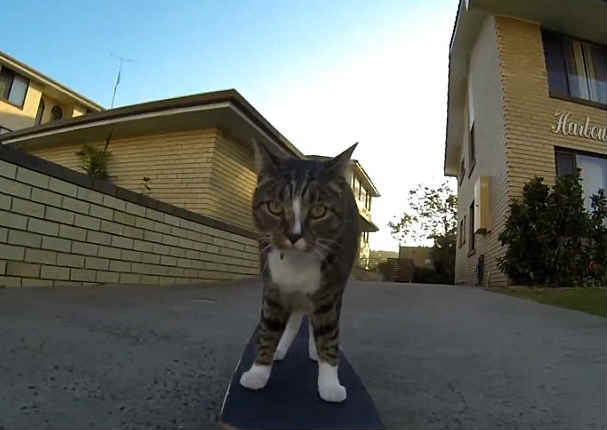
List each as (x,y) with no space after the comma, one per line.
(567,126)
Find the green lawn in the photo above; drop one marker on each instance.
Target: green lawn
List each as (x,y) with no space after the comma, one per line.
(591,300)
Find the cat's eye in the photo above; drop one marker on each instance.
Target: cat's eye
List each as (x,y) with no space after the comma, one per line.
(318,211)
(275,207)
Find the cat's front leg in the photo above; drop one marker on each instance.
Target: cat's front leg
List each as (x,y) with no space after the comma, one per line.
(325,324)
(288,335)
(272,324)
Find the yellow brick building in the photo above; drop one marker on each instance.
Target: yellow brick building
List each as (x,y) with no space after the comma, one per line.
(28,98)
(193,152)
(527,97)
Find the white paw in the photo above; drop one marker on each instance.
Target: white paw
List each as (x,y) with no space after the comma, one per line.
(329,388)
(332,393)
(279,354)
(256,377)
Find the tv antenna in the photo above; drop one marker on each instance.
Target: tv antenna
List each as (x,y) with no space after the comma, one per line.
(121,60)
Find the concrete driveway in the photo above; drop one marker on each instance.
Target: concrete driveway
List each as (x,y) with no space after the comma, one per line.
(431,356)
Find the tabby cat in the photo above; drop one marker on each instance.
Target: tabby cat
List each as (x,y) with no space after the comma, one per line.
(308,218)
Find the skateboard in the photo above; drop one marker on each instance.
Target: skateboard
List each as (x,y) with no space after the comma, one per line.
(290,401)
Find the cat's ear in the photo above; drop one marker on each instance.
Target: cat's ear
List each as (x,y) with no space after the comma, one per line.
(264,160)
(337,165)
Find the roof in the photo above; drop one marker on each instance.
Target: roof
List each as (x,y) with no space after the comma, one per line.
(362,173)
(225,108)
(35,75)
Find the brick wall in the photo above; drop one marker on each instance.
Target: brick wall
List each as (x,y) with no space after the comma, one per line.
(199,170)
(529,109)
(178,165)
(59,228)
(233,180)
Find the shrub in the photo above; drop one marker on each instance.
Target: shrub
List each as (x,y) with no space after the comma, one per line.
(551,238)
(598,238)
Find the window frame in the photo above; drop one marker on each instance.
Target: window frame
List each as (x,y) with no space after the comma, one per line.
(462,232)
(462,171)
(40,111)
(472,149)
(10,87)
(472,242)
(558,86)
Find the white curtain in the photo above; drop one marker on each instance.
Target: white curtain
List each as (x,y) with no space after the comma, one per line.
(596,66)
(587,70)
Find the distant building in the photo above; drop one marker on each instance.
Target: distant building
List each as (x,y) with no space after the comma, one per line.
(527,97)
(419,254)
(28,98)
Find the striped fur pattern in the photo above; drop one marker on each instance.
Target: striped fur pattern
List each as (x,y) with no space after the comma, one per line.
(308,217)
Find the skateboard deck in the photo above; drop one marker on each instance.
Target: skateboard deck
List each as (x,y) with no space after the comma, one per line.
(290,400)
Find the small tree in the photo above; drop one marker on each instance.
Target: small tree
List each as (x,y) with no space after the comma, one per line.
(524,232)
(94,161)
(432,215)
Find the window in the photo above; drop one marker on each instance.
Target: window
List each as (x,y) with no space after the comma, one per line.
(40,112)
(471,150)
(593,171)
(4,130)
(576,69)
(56,113)
(368,202)
(472,237)
(13,87)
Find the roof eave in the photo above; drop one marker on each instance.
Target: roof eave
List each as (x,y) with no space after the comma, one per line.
(124,114)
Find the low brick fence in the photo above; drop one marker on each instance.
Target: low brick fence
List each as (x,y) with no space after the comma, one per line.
(58,228)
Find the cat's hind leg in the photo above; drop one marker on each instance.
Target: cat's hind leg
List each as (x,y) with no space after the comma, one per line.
(288,335)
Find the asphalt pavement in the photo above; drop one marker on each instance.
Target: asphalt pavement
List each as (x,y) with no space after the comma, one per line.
(439,357)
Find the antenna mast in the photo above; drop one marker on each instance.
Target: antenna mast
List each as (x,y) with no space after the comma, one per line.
(121,61)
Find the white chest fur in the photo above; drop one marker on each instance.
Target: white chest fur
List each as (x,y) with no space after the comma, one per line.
(295,271)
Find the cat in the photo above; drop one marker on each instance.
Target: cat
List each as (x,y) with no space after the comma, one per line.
(308,218)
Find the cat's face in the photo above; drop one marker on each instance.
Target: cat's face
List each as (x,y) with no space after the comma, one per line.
(299,204)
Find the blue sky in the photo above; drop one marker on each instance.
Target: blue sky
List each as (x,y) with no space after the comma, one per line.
(325,73)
